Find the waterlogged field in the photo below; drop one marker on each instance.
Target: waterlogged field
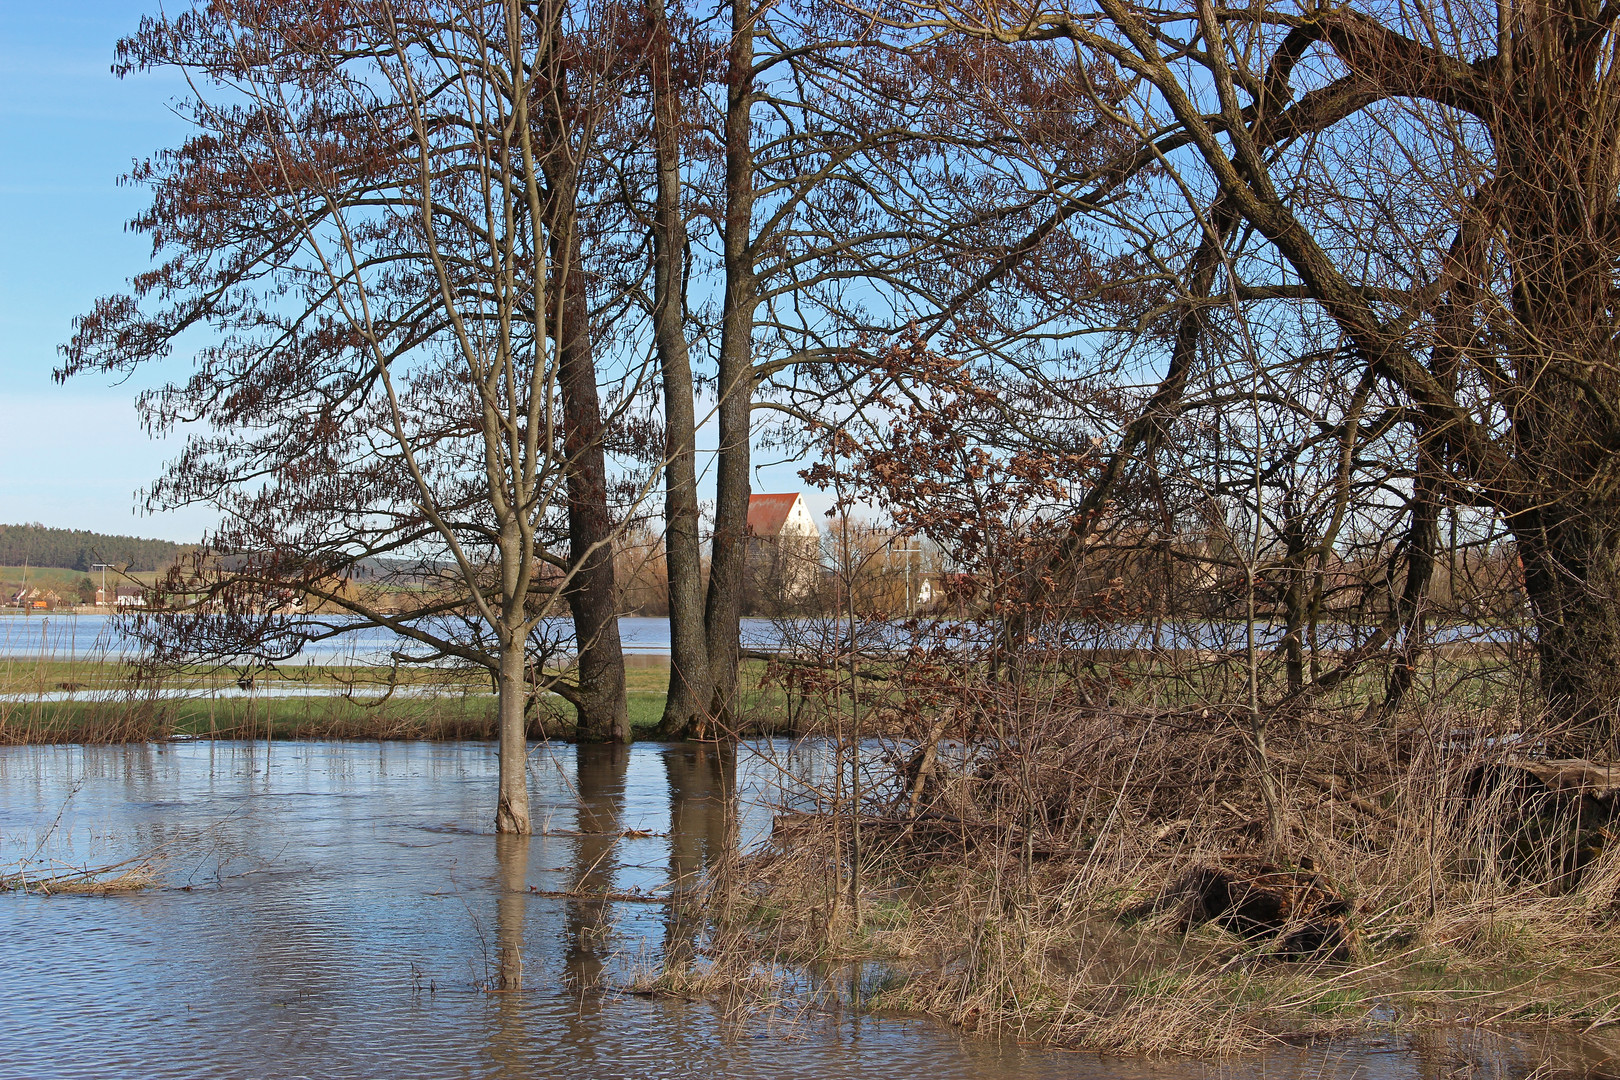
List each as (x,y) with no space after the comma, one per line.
(343,910)
(91,700)
(75,678)
(65,636)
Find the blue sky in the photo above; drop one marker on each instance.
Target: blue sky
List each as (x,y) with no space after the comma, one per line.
(75,456)
(71,456)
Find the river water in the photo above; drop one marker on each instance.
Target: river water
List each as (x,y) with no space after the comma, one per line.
(64,636)
(342,910)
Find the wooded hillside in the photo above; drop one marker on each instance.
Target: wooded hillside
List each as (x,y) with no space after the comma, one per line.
(77,549)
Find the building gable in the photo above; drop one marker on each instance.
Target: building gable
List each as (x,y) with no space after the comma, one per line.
(784,514)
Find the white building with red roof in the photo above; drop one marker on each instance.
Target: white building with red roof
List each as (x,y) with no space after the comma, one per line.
(784,546)
(776,516)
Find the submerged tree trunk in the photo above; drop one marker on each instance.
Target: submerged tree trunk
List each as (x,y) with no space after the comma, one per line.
(511,907)
(690,686)
(593,593)
(512,810)
(599,781)
(723,611)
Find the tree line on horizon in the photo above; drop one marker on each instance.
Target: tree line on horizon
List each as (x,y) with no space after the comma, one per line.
(80,549)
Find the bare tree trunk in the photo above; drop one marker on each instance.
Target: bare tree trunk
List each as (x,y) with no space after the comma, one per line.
(690,686)
(593,595)
(1563,246)
(512,811)
(1295,553)
(1421,538)
(722,613)
(1572,577)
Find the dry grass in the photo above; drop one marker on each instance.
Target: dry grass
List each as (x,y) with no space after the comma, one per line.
(129,877)
(1034,879)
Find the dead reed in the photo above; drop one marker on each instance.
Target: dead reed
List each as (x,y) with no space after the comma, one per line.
(134,875)
(1113,878)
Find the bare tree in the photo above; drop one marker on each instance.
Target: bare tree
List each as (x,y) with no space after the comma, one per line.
(1431,192)
(375,231)
(691,685)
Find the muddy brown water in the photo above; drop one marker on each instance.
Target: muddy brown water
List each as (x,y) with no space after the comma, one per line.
(342,910)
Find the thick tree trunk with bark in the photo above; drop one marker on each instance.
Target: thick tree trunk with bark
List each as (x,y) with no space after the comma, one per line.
(1558,142)
(593,595)
(1572,579)
(690,685)
(723,611)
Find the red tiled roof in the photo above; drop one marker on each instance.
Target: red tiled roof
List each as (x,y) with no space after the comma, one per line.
(768,513)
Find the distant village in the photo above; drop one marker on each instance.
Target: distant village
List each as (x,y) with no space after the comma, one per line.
(33,598)
(795,565)
(46,569)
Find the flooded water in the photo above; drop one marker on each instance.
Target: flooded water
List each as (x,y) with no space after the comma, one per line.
(64,636)
(342,910)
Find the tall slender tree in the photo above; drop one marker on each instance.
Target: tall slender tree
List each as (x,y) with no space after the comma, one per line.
(393,403)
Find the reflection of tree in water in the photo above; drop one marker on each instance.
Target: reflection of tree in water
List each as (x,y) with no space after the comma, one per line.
(512,855)
(600,775)
(702,788)
(509,1043)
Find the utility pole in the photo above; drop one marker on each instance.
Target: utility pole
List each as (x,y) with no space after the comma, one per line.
(911,608)
(103,568)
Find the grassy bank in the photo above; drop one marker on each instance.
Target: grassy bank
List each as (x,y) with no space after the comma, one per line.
(102,701)
(1108,858)
(1107,942)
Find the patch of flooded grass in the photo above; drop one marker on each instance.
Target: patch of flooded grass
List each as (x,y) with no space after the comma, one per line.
(130,876)
(102,701)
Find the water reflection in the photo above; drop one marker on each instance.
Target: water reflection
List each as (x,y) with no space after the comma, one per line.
(599,770)
(508,1046)
(702,781)
(512,856)
(340,910)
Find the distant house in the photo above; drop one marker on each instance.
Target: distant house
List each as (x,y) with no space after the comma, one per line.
(129,596)
(784,547)
(925,592)
(30,599)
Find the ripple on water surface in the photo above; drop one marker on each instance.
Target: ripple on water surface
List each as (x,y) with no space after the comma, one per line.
(340,910)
